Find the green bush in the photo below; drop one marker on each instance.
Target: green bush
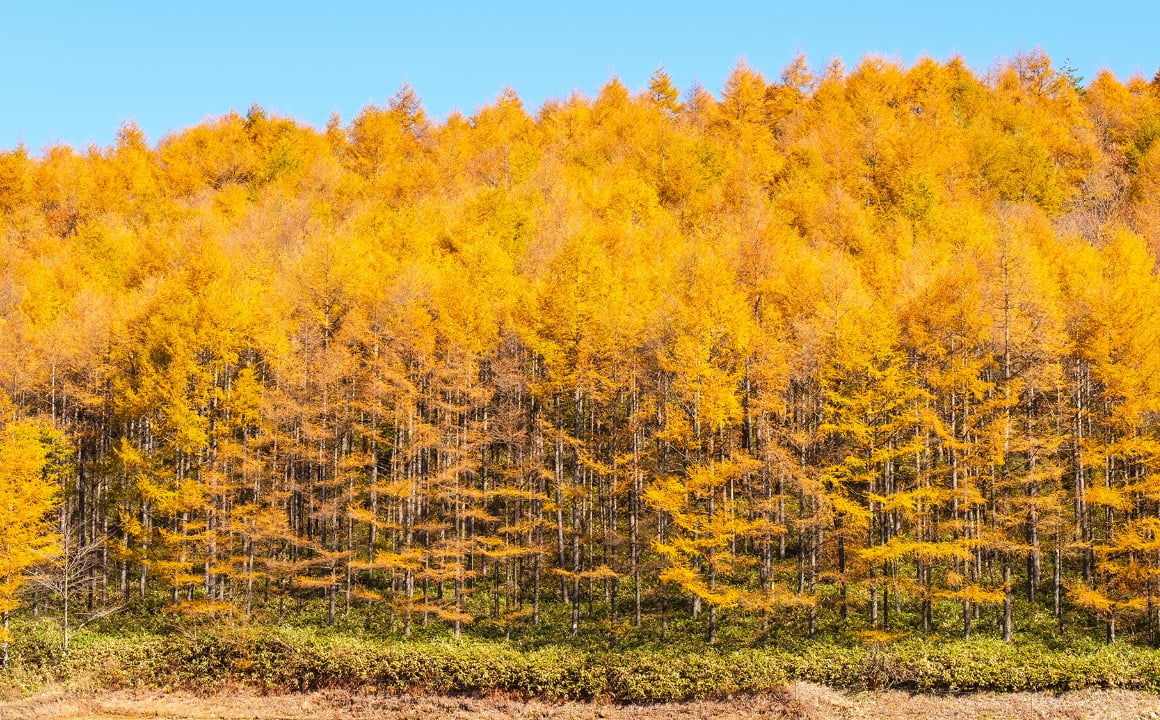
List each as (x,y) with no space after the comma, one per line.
(295,660)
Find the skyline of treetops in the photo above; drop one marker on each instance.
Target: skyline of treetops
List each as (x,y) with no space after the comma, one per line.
(851,349)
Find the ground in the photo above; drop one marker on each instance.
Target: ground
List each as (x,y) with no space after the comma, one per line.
(799,700)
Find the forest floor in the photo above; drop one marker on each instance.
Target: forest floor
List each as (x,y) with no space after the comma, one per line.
(798,700)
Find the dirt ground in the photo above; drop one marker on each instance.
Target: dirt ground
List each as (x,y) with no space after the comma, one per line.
(800,700)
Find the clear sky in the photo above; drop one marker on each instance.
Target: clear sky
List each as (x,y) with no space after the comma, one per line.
(72,72)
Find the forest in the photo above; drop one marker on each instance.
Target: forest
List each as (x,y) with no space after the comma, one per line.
(870,350)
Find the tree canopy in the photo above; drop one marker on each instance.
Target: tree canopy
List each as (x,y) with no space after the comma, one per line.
(872,346)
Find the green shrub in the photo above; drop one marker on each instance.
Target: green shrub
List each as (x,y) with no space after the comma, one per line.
(295,660)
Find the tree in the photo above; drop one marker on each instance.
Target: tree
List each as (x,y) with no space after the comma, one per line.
(33,462)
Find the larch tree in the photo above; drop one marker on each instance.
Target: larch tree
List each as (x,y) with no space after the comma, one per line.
(34,460)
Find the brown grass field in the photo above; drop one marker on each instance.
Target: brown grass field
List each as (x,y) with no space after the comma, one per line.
(799,700)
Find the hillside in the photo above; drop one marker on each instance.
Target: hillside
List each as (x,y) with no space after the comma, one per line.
(862,352)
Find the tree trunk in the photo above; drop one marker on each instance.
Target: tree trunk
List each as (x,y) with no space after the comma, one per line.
(1057,583)
(536,591)
(1006,599)
(966,619)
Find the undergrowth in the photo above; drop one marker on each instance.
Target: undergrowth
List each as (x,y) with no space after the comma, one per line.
(280,659)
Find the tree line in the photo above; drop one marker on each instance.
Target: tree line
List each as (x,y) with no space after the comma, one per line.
(874,348)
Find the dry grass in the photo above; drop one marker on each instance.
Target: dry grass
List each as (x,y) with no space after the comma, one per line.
(815,701)
(800,700)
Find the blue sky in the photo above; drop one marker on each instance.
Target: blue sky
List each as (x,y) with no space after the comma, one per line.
(73,72)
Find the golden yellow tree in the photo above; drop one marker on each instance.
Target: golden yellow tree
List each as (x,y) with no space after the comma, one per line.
(29,491)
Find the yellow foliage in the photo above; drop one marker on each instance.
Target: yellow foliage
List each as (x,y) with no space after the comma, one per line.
(896,316)
(29,492)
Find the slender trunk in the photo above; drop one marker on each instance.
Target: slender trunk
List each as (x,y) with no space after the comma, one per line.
(458,606)
(711,561)
(843,606)
(330,609)
(815,541)
(559,488)
(577,399)
(927,604)
(634,523)
(613,619)
(249,577)
(66,590)
(536,590)
(495,581)
(1033,562)
(1151,610)
(1057,582)
(1007,599)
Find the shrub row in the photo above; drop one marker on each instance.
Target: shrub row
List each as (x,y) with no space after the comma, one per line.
(292,661)
(984,665)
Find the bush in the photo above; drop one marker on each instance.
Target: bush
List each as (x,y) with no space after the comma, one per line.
(295,660)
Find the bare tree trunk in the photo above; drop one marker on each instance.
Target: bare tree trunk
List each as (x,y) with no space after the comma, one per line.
(330,593)
(1057,582)
(536,590)
(1007,598)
